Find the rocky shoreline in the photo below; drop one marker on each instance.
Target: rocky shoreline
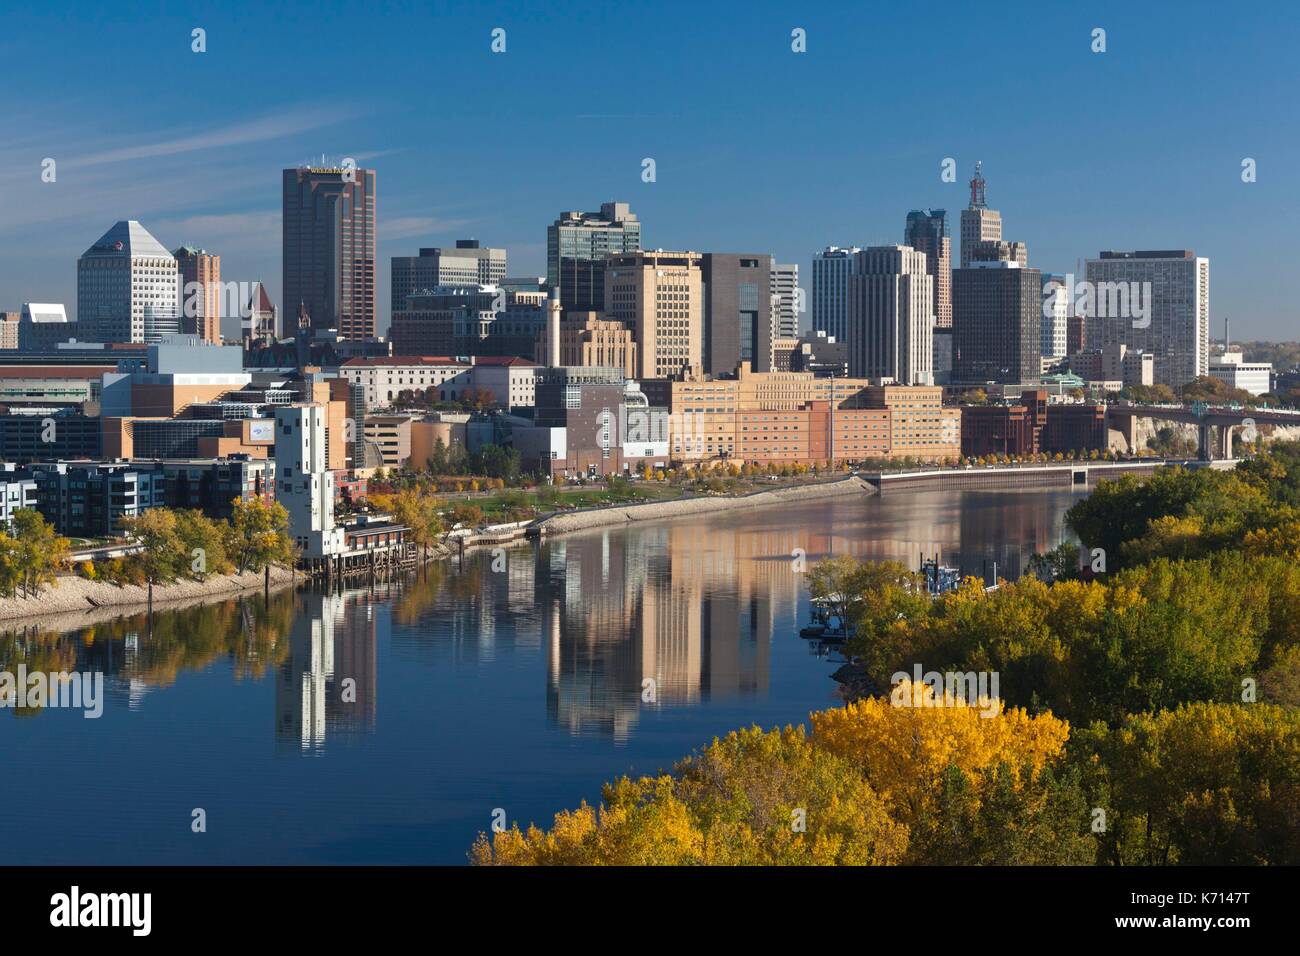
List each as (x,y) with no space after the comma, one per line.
(79,600)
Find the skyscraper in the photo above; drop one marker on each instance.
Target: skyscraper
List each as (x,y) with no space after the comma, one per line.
(577,244)
(927,231)
(127,287)
(785,301)
(978,222)
(737,326)
(830,286)
(1157,301)
(329,247)
(200,293)
(1056,315)
(997,322)
(467,264)
(659,295)
(891,316)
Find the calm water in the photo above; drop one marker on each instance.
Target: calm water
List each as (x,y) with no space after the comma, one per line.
(387,727)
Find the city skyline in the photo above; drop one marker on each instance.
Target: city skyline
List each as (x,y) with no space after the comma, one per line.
(214,183)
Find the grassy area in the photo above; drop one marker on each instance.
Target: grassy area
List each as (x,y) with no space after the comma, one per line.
(510,504)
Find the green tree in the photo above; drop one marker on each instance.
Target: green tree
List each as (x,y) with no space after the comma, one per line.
(39,553)
(162,556)
(258,535)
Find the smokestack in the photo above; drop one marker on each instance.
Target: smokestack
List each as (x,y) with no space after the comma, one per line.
(553,330)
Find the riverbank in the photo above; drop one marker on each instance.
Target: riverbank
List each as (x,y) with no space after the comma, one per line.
(76,596)
(563,523)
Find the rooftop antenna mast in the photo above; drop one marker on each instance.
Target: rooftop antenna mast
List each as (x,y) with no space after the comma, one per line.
(977,188)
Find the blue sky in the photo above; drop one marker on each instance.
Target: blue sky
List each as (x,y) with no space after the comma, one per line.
(757,148)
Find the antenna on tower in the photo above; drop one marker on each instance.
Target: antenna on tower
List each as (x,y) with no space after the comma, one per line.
(977,187)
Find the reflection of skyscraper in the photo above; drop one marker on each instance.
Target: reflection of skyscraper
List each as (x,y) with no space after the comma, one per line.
(329,681)
(652,617)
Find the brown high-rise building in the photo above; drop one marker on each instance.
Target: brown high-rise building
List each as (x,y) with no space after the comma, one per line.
(927,231)
(329,247)
(660,296)
(200,293)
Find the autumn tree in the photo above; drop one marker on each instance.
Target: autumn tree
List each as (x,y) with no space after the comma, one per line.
(37,551)
(162,556)
(258,535)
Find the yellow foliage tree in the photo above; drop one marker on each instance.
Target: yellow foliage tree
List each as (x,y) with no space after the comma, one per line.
(903,752)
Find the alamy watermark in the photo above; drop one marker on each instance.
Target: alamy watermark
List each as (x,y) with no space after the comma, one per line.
(1100,300)
(976,689)
(53,689)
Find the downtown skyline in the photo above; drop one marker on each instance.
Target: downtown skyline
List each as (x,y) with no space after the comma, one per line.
(1117,176)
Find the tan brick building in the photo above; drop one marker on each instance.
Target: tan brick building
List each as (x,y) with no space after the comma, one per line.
(659,296)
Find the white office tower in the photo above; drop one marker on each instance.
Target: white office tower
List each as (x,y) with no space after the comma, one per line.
(785,301)
(303,482)
(128,287)
(1056,314)
(1154,301)
(891,316)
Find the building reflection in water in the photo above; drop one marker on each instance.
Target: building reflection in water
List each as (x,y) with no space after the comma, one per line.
(639,618)
(328,683)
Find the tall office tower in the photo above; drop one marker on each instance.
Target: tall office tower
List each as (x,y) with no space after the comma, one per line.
(467,264)
(978,222)
(260,319)
(1156,301)
(200,293)
(126,287)
(660,296)
(304,483)
(737,326)
(1056,315)
(830,288)
(785,301)
(997,322)
(577,244)
(927,231)
(329,247)
(891,316)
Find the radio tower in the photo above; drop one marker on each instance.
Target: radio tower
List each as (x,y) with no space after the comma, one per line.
(977,188)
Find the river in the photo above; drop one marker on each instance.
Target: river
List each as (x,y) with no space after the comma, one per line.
(390,726)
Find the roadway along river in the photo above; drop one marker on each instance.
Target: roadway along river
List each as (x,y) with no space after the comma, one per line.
(388,727)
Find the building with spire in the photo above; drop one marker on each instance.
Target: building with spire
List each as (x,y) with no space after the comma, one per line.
(979,223)
(261,320)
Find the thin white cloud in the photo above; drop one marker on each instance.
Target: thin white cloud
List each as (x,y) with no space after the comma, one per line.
(284,123)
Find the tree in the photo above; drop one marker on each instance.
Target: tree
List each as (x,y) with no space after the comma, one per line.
(753,798)
(258,535)
(203,542)
(1203,783)
(831,582)
(162,556)
(420,513)
(39,552)
(10,569)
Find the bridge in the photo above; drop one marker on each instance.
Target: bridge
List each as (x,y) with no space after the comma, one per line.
(1074,474)
(1216,424)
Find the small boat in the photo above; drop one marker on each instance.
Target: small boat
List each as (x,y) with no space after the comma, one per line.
(812,630)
